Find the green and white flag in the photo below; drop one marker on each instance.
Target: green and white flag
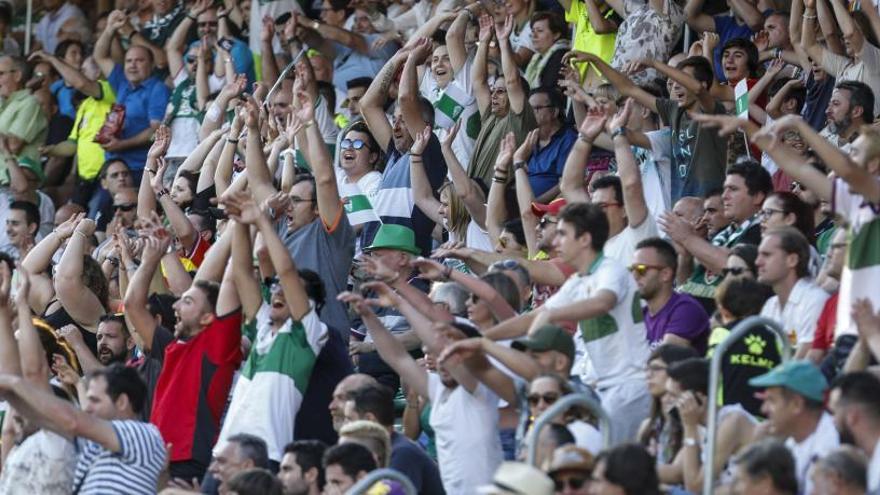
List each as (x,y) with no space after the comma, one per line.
(450,106)
(357,205)
(741,92)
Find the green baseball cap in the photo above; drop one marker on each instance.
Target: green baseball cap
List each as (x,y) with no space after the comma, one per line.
(399,237)
(547,338)
(800,376)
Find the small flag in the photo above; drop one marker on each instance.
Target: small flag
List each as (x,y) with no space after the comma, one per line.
(357,205)
(741,92)
(450,105)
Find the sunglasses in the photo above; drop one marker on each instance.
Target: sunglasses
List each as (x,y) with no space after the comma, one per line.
(474,299)
(549,398)
(575,483)
(125,207)
(641,269)
(190,59)
(352,144)
(735,271)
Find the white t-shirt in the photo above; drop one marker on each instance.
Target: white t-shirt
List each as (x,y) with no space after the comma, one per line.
(862,268)
(616,343)
(466,433)
(453,103)
(622,246)
(586,436)
(823,440)
(655,165)
(801,312)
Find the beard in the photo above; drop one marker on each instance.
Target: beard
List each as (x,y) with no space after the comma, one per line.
(106,356)
(838,127)
(846,435)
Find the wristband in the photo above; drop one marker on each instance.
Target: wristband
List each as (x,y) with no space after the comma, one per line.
(519,165)
(161,193)
(191,17)
(316,25)
(620,131)
(690,442)
(582,138)
(232,141)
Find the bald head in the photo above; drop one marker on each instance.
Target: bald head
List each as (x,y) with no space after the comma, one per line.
(689,208)
(138,64)
(343,391)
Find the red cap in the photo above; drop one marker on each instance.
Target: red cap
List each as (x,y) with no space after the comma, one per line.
(553,208)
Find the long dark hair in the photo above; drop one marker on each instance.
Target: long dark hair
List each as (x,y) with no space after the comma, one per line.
(669,354)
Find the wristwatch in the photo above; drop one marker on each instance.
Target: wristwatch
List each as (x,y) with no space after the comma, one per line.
(620,131)
(519,165)
(316,25)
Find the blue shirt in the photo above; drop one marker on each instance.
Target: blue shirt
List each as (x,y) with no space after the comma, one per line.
(547,163)
(350,64)
(64,96)
(144,103)
(728,28)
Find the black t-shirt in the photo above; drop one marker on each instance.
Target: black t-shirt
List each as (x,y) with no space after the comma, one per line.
(333,364)
(754,354)
(410,459)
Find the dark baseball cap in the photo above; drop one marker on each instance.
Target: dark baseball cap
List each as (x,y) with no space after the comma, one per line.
(547,338)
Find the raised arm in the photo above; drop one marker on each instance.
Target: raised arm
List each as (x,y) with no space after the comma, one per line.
(572,182)
(525,196)
(496,210)
(465,188)
(422,194)
(408,93)
(848,27)
(102,54)
(243,269)
(77,299)
(185,231)
(471,354)
(146,203)
(627,168)
(455,38)
(600,23)
(517,95)
(697,18)
(373,102)
(808,35)
(480,70)
(433,270)
(259,178)
(327,191)
(39,259)
(749,13)
(71,75)
(342,36)
(390,349)
(704,96)
(619,80)
(214,265)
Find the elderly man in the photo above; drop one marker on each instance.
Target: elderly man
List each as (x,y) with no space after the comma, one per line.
(23,127)
(143,96)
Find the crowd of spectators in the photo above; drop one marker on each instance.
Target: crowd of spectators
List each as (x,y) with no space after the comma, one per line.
(269,247)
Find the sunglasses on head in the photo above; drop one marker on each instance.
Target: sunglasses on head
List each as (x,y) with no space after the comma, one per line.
(125,207)
(548,398)
(735,271)
(574,482)
(352,144)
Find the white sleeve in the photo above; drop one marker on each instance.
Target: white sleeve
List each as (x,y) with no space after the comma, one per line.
(613,277)
(844,202)
(809,317)
(316,331)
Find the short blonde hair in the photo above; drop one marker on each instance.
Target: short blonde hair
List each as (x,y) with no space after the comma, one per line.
(371,435)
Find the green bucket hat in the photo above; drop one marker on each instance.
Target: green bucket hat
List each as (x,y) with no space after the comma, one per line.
(397,237)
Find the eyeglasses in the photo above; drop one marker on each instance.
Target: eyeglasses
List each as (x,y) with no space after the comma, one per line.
(474,299)
(544,221)
(574,482)
(207,24)
(735,271)
(548,398)
(641,269)
(352,144)
(768,212)
(125,207)
(296,200)
(190,59)
(502,242)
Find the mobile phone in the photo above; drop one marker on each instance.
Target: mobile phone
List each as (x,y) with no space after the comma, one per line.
(225,43)
(283,18)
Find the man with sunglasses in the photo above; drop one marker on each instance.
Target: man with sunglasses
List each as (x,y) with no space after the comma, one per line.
(670,317)
(571,468)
